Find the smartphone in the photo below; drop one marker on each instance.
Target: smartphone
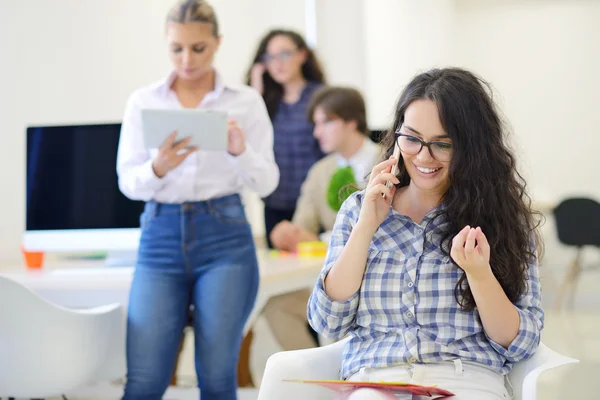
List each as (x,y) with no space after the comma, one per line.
(394,170)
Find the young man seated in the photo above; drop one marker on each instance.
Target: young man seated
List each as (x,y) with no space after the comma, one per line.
(341,129)
(339,117)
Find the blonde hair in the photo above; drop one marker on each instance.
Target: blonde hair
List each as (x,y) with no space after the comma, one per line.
(194,11)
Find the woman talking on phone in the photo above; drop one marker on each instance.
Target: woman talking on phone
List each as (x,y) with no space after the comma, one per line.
(435,277)
(287,73)
(196,247)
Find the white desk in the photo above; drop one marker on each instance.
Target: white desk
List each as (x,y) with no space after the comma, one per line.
(82,284)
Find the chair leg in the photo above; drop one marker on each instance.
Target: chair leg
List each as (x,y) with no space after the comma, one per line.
(244,375)
(569,281)
(174,376)
(574,282)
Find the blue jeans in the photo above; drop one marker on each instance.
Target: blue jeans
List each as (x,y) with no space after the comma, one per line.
(194,254)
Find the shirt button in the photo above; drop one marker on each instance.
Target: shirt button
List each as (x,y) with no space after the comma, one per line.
(412,360)
(446,259)
(419,231)
(409,314)
(410,284)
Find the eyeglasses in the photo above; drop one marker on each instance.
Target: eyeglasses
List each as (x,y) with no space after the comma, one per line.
(441,151)
(284,56)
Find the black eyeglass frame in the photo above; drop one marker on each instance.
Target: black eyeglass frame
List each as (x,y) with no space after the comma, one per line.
(423,143)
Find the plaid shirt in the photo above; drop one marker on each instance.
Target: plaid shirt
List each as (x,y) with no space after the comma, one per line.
(405,310)
(296,150)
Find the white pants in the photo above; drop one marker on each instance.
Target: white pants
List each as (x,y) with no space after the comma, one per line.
(468,381)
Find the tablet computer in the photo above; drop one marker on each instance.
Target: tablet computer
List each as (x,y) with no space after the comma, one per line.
(207,128)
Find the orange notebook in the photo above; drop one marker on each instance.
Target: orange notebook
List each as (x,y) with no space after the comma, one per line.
(392,387)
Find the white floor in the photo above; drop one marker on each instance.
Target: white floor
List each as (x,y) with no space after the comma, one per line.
(574,333)
(107,392)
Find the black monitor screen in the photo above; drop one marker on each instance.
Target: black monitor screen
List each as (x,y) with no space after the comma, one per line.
(72,179)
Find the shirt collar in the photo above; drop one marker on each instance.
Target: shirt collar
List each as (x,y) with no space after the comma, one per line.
(362,161)
(220,85)
(432,215)
(364,155)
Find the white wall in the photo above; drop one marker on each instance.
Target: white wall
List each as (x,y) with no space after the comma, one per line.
(378,45)
(72,61)
(341,41)
(402,38)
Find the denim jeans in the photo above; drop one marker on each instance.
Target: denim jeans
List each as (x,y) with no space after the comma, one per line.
(194,254)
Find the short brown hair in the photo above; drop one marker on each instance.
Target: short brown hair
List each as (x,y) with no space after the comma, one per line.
(340,102)
(185,11)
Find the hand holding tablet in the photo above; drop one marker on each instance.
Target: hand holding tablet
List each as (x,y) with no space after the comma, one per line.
(171,154)
(236,139)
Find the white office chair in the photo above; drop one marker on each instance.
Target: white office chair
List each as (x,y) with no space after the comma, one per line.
(47,350)
(325,363)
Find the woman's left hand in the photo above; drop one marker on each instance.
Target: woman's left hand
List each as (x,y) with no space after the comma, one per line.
(236,138)
(471,251)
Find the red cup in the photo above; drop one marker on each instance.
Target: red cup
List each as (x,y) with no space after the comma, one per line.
(33,259)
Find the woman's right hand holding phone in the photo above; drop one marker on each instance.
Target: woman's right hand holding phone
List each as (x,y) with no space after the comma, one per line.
(346,276)
(375,207)
(171,154)
(256,77)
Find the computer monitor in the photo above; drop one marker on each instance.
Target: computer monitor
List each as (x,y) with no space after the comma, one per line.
(73,200)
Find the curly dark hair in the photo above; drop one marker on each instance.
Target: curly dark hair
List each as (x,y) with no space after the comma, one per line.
(273,91)
(485,189)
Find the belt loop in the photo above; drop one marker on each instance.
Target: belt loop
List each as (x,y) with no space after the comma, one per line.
(458,367)
(156,209)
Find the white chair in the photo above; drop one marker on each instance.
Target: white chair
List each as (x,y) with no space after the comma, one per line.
(325,363)
(47,350)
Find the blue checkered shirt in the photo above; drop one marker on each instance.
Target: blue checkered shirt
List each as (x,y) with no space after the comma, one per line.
(405,310)
(295,148)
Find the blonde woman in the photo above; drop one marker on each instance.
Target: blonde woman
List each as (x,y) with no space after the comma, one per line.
(196,247)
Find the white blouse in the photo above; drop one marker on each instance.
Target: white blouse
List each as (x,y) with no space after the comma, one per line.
(204,174)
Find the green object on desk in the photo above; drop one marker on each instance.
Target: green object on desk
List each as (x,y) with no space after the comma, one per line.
(95,256)
(87,256)
(341,185)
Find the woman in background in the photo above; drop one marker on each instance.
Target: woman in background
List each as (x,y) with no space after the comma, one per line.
(286,72)
(196,247)
(435,278)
